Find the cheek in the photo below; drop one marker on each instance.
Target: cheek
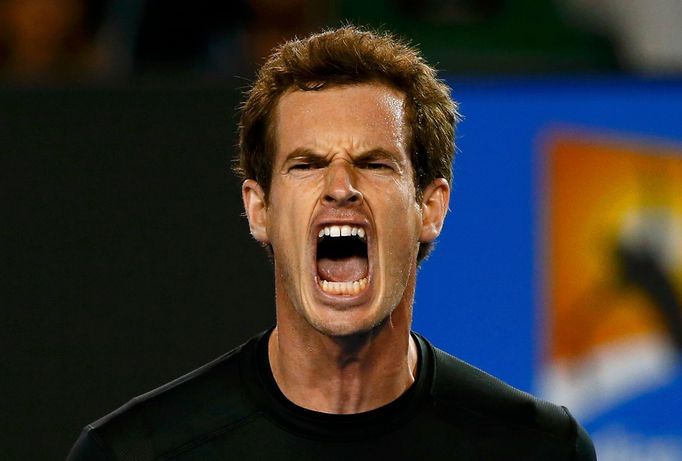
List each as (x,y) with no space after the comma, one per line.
(401,206)
(398,219)
(289,215)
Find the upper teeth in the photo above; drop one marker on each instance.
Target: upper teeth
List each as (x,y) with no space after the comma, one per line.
(341,231)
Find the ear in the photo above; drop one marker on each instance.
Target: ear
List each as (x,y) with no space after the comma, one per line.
(435,199)
(255,206)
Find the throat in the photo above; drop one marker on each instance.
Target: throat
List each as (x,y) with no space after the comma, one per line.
(313,379)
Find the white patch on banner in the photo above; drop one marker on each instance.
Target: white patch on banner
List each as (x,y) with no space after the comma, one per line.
(616,444)
(612,374)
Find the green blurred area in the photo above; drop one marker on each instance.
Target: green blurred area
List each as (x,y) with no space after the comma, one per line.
(489,36)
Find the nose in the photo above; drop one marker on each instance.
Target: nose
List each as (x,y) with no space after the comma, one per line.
(340,188)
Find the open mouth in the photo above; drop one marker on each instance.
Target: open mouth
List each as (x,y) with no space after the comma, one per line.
(342,263)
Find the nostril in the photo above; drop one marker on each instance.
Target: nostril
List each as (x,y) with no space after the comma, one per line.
(342,197)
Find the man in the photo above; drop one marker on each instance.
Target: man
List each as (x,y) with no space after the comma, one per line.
(346,145)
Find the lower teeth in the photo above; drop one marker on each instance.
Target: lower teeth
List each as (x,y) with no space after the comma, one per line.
(343,288)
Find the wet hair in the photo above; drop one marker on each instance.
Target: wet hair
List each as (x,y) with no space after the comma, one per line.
(345,56)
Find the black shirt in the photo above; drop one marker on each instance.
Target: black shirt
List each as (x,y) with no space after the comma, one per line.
(232,408)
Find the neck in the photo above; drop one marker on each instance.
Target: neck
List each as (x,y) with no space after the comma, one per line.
(343,375)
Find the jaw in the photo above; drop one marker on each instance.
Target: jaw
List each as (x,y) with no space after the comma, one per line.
(302,300)
(343,316)
(348,314)
(338,300)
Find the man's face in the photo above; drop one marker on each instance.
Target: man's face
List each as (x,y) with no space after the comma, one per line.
(342,216)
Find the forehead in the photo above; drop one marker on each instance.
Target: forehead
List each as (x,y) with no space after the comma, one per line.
(368,114)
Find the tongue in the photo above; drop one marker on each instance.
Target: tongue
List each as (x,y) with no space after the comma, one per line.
(342,270)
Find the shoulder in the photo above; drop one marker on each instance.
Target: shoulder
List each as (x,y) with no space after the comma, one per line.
(208,399)
(461,388)
(470,389)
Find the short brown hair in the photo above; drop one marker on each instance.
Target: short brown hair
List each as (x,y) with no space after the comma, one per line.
(350,55)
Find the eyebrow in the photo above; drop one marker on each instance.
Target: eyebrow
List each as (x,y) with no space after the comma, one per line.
(378,154)
(300,153)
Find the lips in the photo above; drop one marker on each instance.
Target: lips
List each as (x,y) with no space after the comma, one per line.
(342,258)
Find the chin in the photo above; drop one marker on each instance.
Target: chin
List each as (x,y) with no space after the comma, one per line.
(344,324)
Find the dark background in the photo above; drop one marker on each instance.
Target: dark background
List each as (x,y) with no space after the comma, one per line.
(125,259)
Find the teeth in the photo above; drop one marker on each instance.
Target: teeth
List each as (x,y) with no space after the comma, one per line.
(344,288)
(342,231)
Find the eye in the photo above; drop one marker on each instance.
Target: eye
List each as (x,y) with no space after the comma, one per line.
(304,166)
(301,166)
(377,166)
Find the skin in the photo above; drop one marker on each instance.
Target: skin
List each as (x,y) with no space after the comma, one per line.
(341,157)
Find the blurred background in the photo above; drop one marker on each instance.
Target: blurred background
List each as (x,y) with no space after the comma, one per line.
(125,261)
